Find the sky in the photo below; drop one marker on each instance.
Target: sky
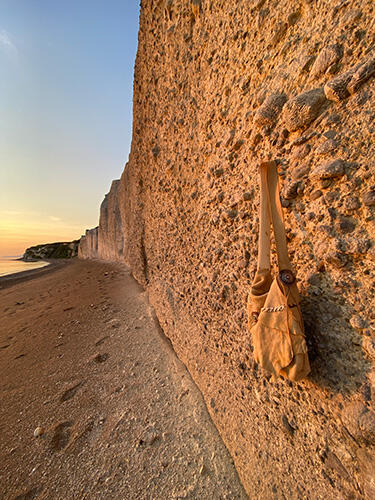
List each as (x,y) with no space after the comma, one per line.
(66,89)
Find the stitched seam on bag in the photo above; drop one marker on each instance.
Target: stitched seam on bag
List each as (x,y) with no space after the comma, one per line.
(273,309)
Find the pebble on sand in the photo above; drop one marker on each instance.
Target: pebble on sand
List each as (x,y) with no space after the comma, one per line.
(38,431)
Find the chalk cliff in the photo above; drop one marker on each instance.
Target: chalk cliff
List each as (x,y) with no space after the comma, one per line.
(58,250)
(219,87)
(88,247)
(107,240)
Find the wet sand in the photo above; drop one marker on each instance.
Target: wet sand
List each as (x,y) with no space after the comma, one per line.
(15,278)
(86,368)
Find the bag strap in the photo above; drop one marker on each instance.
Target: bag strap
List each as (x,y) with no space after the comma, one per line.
(271,210)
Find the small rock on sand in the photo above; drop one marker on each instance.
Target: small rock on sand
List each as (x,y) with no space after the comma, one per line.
(38,431)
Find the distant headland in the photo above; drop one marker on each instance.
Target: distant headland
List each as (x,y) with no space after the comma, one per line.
(58,250)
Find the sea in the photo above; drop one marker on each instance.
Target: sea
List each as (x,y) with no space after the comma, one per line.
(10,265)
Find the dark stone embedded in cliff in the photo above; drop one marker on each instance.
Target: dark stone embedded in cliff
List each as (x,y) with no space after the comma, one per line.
(269,111)
(326,59)
(301,171)
(303,109)
(327,146)
(351,204)
(345,225)
(337,88)
(361,75)
(329,170)
(355,244)
(369,198)
(349,82)
(290,190)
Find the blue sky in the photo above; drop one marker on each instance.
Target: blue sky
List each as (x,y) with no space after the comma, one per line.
(66,84)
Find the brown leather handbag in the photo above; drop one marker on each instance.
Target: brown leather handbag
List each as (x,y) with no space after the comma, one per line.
(274,312)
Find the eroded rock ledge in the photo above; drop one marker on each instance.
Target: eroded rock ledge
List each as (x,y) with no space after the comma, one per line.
(219,87)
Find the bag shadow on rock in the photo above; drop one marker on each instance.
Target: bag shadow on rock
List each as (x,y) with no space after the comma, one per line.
(338,363)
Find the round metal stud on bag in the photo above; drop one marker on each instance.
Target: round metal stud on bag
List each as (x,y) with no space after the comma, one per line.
(287,277)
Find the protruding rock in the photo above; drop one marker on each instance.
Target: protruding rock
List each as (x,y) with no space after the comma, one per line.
(337,89)
(302,139)
(303,109)
(326,147)
(114,323)
(301,152)
(361,74)
(369,198)
(333,463)
(329,251)
(330,170)
(269,111)
(316,194)
(300,172)
(327,57)
(229,137)
(238,145)
(355,245)
(196,8)
(351,204)
(348,83)
(345,225)
(290,190)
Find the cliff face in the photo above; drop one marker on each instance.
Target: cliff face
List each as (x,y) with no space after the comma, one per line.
(88,247)
(110,233)
(107,240)
(219,87)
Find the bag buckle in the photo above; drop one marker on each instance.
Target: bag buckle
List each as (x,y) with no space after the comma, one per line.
(287,277)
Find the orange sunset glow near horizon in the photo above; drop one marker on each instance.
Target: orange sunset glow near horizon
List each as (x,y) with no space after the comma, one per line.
(19,231)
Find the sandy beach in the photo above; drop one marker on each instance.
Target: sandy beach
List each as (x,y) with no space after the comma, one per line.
(94,402)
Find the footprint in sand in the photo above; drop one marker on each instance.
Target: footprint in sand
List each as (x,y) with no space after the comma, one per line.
(100,358)
(100,342)
(4,346)
(68,394)
(20,356)
(61,436)
(29,495)
(90,434)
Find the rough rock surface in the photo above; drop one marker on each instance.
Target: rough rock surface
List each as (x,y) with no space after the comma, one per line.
(60,250)
(188,202)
